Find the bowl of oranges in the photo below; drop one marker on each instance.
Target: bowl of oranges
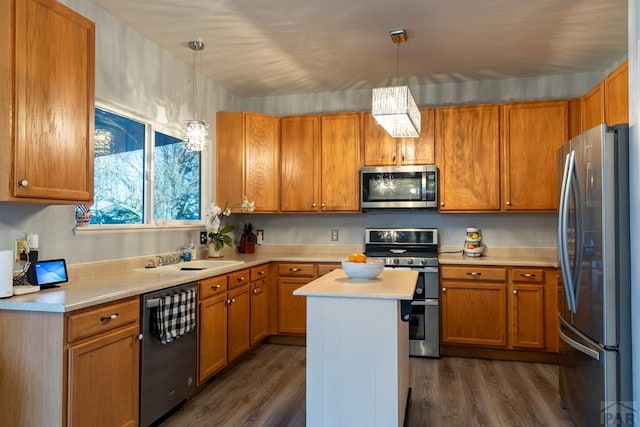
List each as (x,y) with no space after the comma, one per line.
(359,267)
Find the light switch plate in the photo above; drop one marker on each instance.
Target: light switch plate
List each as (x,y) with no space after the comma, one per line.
(334,234)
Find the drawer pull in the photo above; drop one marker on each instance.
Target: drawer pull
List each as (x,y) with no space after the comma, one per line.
(528,275)
(257,291)
(473,273)
(515,292)
(215,287)
(240,279)
(260,273)
(112,317)
(444,289)
(295,270)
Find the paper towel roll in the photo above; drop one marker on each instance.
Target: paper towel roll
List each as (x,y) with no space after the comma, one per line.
(6,274)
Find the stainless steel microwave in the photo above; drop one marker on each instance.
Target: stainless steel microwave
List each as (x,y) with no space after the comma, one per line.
(399,187)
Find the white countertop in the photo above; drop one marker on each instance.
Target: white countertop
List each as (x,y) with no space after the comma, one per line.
(391,284)
(102,282)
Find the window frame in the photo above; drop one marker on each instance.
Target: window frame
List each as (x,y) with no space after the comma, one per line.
(149,223)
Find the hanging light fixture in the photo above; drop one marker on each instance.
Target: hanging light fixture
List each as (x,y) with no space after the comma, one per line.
(195,132)
(394,107)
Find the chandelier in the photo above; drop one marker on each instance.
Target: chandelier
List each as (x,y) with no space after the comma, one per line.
(195,133)
(394,107)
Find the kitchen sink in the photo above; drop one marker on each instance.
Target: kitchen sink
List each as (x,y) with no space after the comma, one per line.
(191,266)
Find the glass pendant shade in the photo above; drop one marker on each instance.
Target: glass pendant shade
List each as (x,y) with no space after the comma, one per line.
(195,135)
(396,111)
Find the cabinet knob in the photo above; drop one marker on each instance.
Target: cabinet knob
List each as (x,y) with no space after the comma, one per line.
(260,273)
(214,287)
(322,205)
(444,289)
(508,203)
(240,279)
(515,291)
(313,205)
(233,300)
(140,337)
(442,204)
(24,183)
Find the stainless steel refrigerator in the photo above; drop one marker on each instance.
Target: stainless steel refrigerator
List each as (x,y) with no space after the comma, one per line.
(593,251)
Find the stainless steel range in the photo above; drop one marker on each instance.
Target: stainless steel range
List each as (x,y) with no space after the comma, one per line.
(413,249)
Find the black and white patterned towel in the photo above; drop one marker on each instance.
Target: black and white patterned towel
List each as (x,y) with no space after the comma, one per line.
(176,315)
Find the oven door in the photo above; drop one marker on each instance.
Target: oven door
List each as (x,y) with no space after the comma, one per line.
(424,328)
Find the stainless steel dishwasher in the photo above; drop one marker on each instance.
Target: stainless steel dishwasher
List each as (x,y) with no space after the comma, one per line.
(167,371)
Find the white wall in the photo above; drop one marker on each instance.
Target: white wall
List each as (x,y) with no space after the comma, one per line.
(135,75)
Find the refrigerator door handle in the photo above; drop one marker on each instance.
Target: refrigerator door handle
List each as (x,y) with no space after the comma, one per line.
(563,249)
(580,347)
(579,236)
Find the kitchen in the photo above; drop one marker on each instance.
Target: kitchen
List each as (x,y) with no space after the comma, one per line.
(537,230)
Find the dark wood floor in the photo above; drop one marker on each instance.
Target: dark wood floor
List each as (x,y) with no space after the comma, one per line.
(268,389)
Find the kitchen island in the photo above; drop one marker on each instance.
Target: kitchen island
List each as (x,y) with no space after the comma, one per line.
(357,349)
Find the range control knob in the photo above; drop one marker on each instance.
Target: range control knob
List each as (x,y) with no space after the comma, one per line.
(396,261)
(423,261)
(410,261)
(419,291)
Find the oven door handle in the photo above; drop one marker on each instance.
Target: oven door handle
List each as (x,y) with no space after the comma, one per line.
(425,302)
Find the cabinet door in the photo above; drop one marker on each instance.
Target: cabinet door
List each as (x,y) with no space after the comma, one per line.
(474,313)
(593,107)
(229,158)
(527,316)
(421,150)
(531,134)
(103,379)
(380,149)
(616,96)
(340,162)
(262,161)
(238,322)
(300,164)
(292,309)
(212,336)
(54,103)
(468,156)
(259,322)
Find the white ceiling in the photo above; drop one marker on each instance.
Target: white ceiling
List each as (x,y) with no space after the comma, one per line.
(274,47)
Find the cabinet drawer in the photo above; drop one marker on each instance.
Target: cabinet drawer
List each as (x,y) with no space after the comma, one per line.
(297,270)
(473,273)
(238,278)
(96,320)
(259,272)
(527,275)
(327,268)
(212,286)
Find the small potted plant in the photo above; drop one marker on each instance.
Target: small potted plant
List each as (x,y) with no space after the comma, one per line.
(217,232)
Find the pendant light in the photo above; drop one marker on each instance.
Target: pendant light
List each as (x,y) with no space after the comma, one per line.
(195,132)
(394,107)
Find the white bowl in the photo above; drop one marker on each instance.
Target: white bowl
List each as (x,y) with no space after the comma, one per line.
(363,270)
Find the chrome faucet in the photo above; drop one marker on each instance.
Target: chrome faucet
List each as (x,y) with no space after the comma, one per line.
(160,260)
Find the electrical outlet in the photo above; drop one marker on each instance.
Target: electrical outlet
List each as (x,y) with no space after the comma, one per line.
(259,236)
(334,234)
(203,237)
(20,248)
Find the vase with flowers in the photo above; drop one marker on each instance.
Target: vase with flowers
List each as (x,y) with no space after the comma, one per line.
(218,232)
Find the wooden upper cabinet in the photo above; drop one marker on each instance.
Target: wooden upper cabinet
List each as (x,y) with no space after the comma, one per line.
(531,134)
(468,156)
(340,162)
(575,117)
(248,159)
(47,72)
(380,149)
(593,107)
(616,95)
(300,164)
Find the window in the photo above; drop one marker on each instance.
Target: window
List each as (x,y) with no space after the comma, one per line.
(142,176)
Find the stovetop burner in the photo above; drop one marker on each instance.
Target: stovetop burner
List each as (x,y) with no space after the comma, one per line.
(409,247)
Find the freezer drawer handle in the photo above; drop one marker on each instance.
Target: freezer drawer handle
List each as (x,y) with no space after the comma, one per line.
(581,348)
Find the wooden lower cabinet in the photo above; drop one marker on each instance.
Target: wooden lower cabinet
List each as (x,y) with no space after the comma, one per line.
(103,379)
(474,313)
(292,309)
(212,336)
(500,307)
(238,322)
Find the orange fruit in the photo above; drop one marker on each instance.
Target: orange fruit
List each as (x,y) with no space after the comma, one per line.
(353,257)
(361,258)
